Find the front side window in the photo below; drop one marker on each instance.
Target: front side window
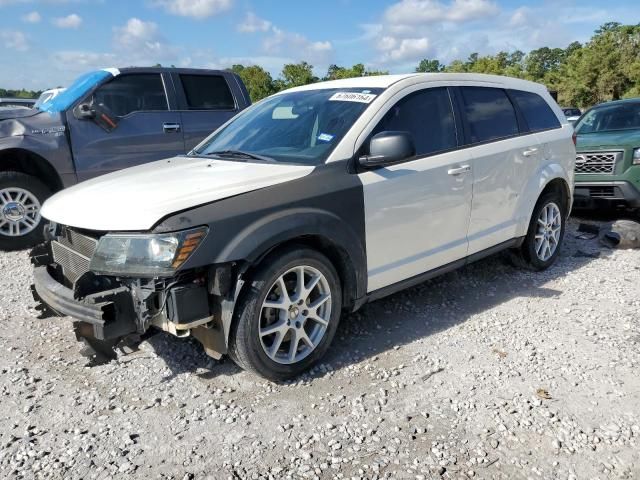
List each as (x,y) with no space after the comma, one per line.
(207,92)
(133,93)
(428,116)
(489,114)
(297,127)
(536,111)
(608,118)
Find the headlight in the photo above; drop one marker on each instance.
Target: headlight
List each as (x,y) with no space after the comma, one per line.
(145,255)
(636,156)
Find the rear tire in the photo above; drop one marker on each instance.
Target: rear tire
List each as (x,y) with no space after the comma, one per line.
(278,336)
(543,241)
(21,197)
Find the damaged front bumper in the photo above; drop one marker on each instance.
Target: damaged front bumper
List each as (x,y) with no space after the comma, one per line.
(104,315)
(110,308)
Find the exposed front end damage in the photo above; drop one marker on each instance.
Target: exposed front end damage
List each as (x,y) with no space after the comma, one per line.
(106,309)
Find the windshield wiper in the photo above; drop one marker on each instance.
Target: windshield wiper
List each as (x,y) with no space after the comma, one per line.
(240,154)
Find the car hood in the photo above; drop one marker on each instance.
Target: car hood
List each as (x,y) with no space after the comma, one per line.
(618,139)
(30,121)
(6,113)
(137,198)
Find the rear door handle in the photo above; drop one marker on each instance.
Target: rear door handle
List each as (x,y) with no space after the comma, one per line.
(170,127)
(459,170)
(529,152)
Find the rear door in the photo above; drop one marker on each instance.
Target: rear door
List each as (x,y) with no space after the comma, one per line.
(146,130)
(504,159)
(417,212)
(206,102)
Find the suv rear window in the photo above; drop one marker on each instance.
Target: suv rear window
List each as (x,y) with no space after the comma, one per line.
(536,111)
(133,93)
(490,114)
(207,92)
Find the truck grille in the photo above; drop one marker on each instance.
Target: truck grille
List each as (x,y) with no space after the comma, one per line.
(602,192)
(73,252)
(597,163)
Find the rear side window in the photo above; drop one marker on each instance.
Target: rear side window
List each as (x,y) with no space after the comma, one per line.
(490,114)
(428,116)
(536,111)
(207,92)
(132,93)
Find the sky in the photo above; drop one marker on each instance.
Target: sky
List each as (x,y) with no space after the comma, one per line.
(47,43)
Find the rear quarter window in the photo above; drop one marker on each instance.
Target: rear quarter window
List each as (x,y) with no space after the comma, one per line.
(489,114)
(207,92)
(537,112)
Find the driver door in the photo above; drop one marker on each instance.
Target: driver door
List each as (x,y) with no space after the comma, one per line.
(417,212)
(145,129)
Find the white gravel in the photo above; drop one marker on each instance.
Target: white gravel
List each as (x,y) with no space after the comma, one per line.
(487,372)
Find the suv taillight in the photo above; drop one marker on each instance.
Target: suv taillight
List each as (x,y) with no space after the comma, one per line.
(574,137)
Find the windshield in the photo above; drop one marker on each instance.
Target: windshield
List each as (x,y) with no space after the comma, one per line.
(78,89)
(297,127)
(623,116)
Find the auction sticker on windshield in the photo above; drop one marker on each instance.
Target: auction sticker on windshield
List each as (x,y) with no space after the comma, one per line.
(352,97)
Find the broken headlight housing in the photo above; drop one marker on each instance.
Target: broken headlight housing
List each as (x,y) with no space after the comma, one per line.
(145,255)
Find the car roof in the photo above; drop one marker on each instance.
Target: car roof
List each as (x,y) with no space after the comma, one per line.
(385,81)
(171,69)
(625,101)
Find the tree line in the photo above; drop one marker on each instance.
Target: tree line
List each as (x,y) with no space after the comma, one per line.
(607,67)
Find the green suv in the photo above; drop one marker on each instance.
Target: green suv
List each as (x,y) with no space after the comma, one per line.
(608,155)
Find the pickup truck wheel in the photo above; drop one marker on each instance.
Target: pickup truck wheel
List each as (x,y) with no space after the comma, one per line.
(287,317)
(541,246)
(21,197)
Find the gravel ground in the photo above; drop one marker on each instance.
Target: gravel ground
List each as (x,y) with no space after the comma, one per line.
(487,372)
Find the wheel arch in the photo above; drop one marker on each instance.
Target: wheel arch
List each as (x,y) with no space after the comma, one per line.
(336,254)
(30,163)
(550,178)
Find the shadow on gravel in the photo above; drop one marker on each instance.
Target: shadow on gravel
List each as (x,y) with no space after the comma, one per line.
(411,314)
(451,299)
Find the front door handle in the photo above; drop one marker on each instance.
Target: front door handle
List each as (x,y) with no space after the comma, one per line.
(459,170)
(529,152)
(170,127)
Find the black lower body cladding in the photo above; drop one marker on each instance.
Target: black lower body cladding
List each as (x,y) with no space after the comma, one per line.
(325,208)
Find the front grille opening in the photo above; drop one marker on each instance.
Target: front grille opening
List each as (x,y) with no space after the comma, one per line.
(73,251)
(597,163)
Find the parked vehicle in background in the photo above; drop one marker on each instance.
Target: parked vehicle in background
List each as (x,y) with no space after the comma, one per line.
(317,199)
(48,95)
(608,155)
(572,114)
(105,121)
(16,102)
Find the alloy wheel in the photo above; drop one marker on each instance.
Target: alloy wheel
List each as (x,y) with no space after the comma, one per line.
(549,229)
(295,315)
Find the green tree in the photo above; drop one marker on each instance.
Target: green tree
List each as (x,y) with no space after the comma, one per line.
(296,74)
(336,72)
(257,80)
(426,65)
(605,68)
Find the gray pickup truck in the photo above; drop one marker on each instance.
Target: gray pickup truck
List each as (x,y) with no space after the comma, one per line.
(106,120)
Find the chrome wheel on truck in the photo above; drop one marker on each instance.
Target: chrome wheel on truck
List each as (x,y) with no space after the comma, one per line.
(19,212)
(21,197)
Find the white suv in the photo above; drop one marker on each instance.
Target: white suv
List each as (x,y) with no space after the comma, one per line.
(311,202)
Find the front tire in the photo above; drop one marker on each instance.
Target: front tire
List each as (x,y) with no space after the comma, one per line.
(21,197)
(286,319)
(541,246)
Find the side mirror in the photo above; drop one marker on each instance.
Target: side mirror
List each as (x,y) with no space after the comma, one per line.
(84,111)
(387,148)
